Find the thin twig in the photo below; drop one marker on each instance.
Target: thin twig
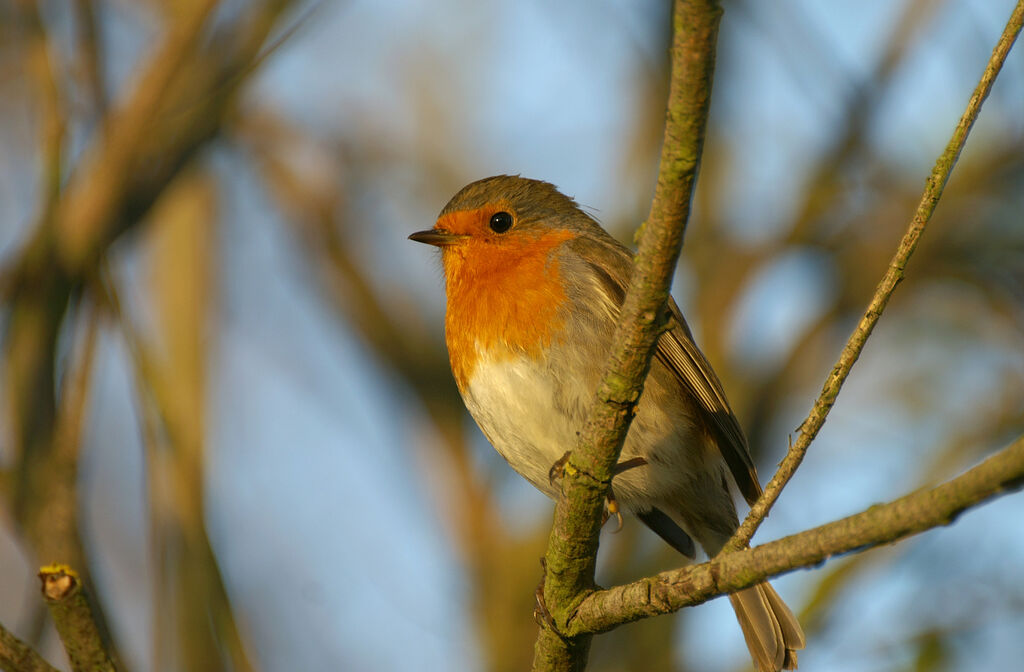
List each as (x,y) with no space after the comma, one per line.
(893,275)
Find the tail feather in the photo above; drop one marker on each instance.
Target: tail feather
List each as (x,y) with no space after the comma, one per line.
(772,633)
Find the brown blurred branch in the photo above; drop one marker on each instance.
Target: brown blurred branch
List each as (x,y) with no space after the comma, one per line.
(893,275)
(858,113)
(17,656)
(724,283)
(74,620)
(53,115)
(572,546)
(91,50)
(728,572)
(87,217)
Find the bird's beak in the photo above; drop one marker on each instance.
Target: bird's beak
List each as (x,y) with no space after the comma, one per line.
(437,237)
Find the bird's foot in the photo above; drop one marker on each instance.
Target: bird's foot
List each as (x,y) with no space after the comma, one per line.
(612,509)
(557,469)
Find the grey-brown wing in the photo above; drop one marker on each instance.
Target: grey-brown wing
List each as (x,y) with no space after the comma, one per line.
(677,351)
(611,265)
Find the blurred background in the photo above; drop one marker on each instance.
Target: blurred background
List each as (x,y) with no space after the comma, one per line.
(225,390)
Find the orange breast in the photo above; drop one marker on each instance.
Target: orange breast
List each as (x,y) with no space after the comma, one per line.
(505,298)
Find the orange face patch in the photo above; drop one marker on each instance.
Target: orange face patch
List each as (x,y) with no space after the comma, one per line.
(472,222)
(505,291)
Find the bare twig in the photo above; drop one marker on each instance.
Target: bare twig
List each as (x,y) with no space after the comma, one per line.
(893,275)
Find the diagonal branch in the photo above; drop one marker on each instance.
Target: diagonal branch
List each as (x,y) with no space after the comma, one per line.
(728,572)
(17,656)
(893,275)
(86,217)
(572,545)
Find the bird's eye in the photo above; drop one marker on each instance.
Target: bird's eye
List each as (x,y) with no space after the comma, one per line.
(501,222)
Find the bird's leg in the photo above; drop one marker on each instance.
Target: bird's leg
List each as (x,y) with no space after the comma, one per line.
(558,468)
(613,504)
(612,509)
(631,463)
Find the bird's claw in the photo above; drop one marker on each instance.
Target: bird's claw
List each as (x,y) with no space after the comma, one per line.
(612,509)
(613,505)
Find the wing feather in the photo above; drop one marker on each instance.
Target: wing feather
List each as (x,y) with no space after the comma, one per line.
(678,352)
(611,265)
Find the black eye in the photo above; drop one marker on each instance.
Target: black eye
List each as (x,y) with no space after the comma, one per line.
(501,222)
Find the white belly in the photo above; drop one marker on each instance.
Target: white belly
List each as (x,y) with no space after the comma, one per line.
(532,416)
(517,406)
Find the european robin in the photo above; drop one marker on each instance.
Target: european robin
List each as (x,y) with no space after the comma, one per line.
(534,288)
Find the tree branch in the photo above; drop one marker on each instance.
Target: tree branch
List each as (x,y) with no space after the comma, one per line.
(52,108)
(894,274)
(17,656)
(572,545)
(730,572)
(86,218)
(73,618)
(91,54)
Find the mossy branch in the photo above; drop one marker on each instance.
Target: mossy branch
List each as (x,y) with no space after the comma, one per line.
(572,545)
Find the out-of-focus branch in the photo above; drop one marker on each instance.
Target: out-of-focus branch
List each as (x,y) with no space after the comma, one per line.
(729,572)
(857,116)
(86,218)
(175,108)
(90,48)
(572,546)
(723,283)
(893,275)
(73,619)
(17,656)
(52,118)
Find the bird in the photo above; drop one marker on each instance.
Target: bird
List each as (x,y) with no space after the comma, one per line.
(534,289)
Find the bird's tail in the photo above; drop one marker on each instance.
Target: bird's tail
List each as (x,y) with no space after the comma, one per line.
(772,632)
